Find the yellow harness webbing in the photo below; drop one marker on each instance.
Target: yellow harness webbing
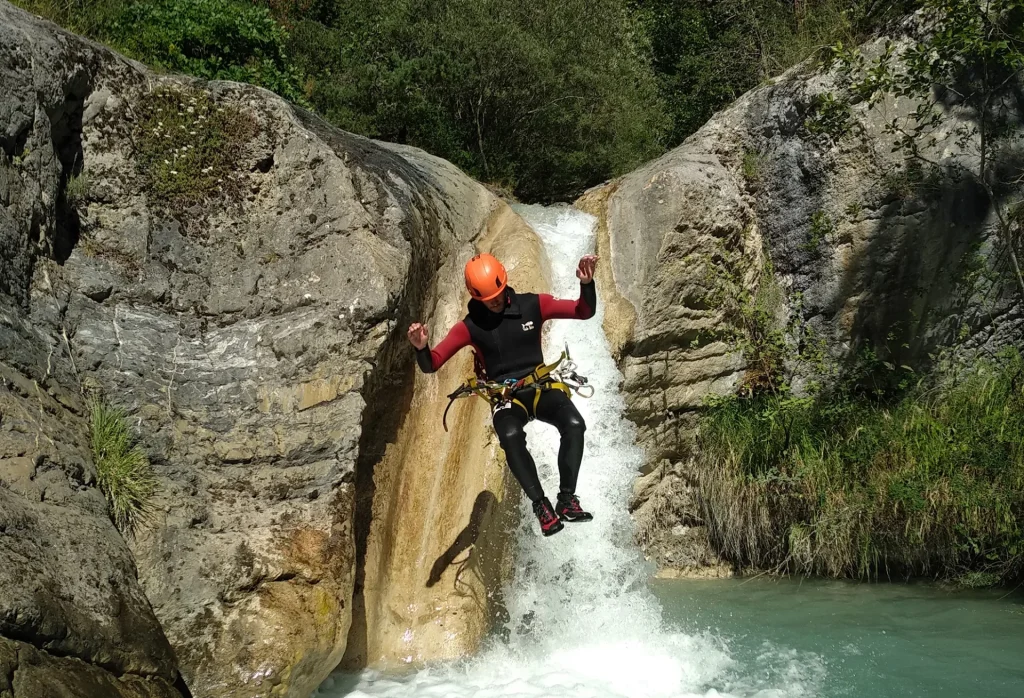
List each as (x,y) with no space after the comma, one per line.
(498,393)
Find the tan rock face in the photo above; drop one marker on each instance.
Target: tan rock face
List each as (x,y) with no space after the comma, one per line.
(673,228)
(437,549)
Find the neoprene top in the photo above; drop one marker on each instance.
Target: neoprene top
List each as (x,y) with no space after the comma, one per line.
(509,342)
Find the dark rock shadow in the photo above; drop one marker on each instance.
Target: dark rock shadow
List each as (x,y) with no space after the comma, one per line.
(66,134)
(466,538)
(908,277)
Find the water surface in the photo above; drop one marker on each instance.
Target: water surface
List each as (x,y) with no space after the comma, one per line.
(904,641)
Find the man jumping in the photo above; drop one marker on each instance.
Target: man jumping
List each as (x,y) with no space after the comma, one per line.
(504,329)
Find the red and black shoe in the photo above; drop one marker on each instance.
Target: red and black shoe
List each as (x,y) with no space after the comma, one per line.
(550,524)
(569,508)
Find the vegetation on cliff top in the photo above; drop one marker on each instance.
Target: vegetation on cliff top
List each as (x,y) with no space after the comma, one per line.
(543,98)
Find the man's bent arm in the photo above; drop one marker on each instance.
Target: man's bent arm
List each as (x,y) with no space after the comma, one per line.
(581,309)
(430,360)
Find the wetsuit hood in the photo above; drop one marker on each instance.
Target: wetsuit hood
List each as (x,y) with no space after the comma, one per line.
(481,315)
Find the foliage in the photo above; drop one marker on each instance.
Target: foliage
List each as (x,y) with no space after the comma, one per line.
(546,97)
(707,53)
(915,178)
(123,471)
(189,147)
(542,98)
(821,227)
(77,189)
(884,474)
(212,39)
(829,116)
(978,580)
(962,76)
(88,17)
(750,311)
(764,341)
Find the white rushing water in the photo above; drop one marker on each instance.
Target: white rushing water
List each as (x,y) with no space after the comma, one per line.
(582,619)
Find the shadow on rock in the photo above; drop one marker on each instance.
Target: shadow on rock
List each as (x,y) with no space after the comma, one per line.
(909,278)
(467,537)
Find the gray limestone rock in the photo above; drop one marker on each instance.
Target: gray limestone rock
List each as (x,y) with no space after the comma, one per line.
(251,339)
(754,205)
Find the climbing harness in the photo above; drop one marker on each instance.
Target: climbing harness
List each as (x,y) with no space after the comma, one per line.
(560,375)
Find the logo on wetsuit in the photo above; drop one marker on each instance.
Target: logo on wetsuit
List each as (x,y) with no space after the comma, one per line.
(527,326)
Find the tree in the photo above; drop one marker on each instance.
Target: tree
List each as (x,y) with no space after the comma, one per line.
(213,39)
(546,97)
(706,53)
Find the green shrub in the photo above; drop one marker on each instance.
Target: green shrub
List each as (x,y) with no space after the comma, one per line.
(750,314)
(544,98)
(88,17)
(77,189)
(863,480)
(212,39)
(707,54)
(189,148)
(821,227)
(752,163)
(123,471)
(914,179)
(829,115)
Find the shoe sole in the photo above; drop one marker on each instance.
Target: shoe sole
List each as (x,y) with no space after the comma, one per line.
(564,517)
(553,531)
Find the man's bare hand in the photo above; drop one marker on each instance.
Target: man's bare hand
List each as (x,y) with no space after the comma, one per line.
(585,271)
(418,335)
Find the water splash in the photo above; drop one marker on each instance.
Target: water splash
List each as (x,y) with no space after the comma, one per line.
(582,618)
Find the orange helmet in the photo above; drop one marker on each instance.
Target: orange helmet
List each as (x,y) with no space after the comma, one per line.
(485,277)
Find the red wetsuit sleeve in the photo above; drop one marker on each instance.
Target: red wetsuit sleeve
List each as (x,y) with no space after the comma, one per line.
(457,337)
(582,308)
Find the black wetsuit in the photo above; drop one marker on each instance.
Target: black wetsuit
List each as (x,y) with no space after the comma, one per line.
(509,344)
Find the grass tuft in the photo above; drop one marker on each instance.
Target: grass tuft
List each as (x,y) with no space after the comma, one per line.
(77,189)
(124,473)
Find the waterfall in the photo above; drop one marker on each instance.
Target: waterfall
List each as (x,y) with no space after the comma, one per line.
(582,620)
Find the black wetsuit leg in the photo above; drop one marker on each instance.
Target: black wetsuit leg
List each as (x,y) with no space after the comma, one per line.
(508,425)
(556,408)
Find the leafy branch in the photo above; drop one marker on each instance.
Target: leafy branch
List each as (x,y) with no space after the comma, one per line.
(963,71)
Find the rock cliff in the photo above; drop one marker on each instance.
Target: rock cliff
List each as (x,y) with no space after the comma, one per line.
(236,275)
(828,232)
